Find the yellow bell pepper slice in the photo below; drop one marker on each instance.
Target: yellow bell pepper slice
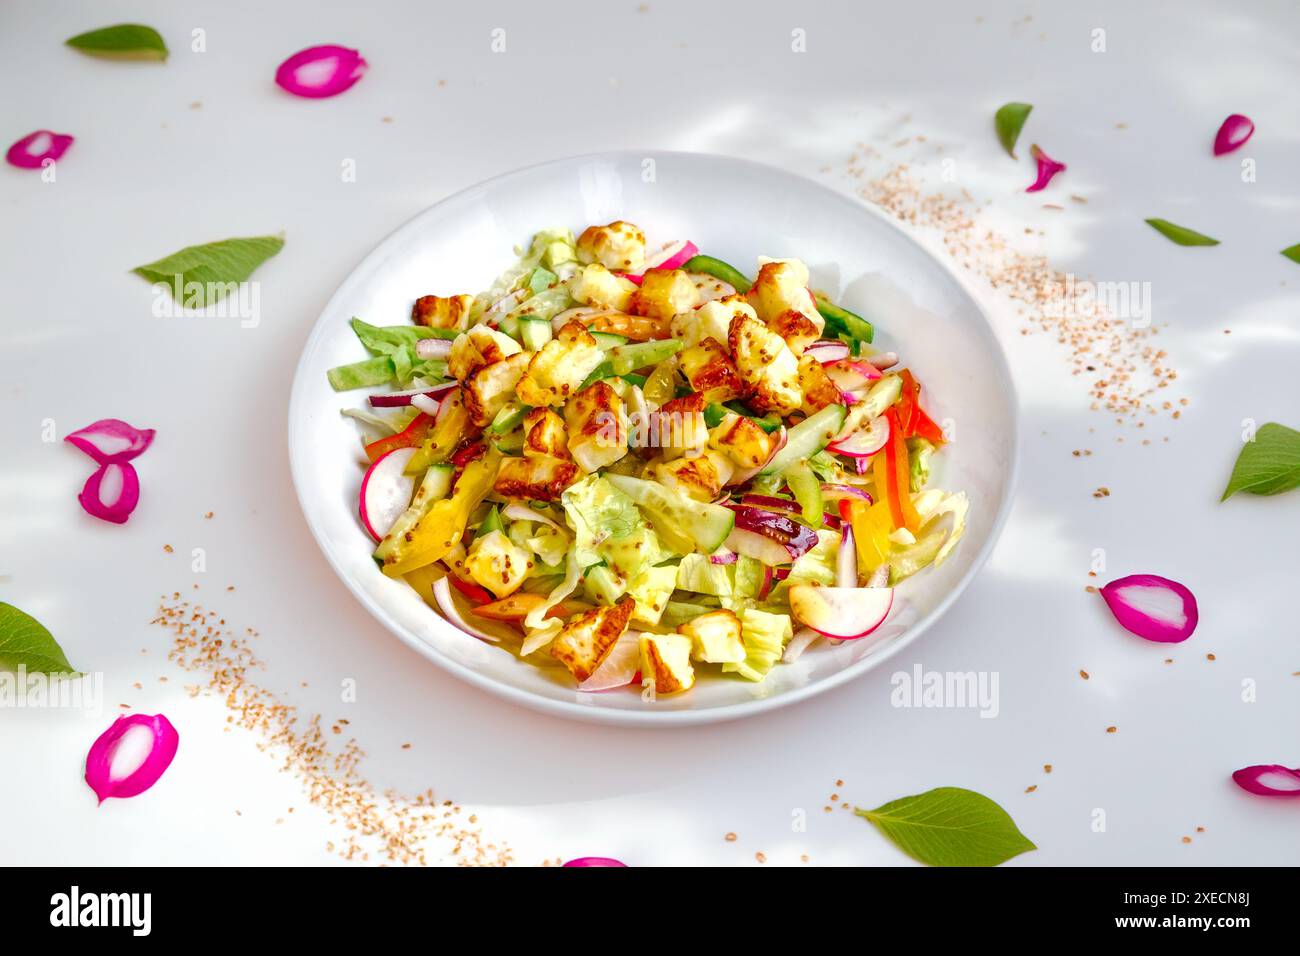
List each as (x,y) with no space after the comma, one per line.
(871,528)
(433,536)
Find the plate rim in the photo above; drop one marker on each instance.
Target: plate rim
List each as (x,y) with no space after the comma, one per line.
(650,717)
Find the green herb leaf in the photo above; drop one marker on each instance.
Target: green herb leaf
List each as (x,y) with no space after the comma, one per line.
(126,41)
(1180,234)
(208,273)
(1292,252)
(1268,465)
(1009,120)
(25,642)
(950,826)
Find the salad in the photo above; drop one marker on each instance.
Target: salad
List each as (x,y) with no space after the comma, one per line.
(638,464)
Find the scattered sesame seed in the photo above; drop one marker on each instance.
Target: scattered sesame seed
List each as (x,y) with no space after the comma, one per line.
(1083,674)
(730,838)
(1111,730)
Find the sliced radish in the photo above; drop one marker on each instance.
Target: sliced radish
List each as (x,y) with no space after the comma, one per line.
(672,255)
(450,606)
(846,565)
(850,376)
(842,613)
(619,667)
(828,353)
(386,491)
(754,545)
(864,442)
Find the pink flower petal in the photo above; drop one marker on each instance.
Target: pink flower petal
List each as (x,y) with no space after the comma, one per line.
(34,149)
(321,71)
(1152,607)
(595,861)
(1047,168)
(99,761)
(111,440)
(1268,780)
(1234,132)
(112,492)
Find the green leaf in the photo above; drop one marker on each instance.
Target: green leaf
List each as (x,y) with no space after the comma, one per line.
(1180,234)
(1292,252)
(950,826)
(208,273)
(1268,465)
(1009,120)
(25,642)
(126,41)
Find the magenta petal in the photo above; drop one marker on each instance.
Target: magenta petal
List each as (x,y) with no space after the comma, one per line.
(1047,168)
(99,761)
(1234,132)
(111,440)
(34,149)
(595,861)
(1268,780)
(112,492)
(321,71)
(1130,600)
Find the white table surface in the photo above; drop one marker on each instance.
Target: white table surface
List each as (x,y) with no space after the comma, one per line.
(149,174)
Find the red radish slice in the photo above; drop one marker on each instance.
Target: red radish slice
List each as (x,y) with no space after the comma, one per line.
(827,353)
(386,491)
(846,565)
(433,348)
(321,71)
(450,605)
(864,442)
(112,492)
(862,465)
(672,255)
(107,750)
(884,360)
(842,613)
(35,149)
(595,861)
(402,399)
(618,668)
(846,377)
(740,477)
(1152,607)
(1234,132)
(1268,780)
(111,440)
(802,639)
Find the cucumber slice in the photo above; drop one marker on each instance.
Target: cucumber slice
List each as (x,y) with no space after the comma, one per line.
(807,438)
(719,270)
(682,523)
(608,340)
(534,333)
(508,419)
(540,279)
(623,359)
(489,524)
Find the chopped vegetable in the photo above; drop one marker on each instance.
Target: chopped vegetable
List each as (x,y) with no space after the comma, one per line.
(1152,607)
(118,745)
(321,71)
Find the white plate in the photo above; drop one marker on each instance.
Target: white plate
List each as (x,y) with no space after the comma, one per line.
(733,209)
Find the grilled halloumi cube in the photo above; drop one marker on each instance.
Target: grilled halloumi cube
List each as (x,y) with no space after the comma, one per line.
(700,477)
(708,288)
(663,294)
(742,441)
(666,660)
(677,427)
(535,478)
(497,563)
(597,426)
(715,637)
(712,320)
(487,390)
(619,245)
(766,366)
(797,329)
(586,640)
(442,312)
(560,367)
(599,288)
(818,389)
(545,434)
(477,347)
(782,285)
(710,371)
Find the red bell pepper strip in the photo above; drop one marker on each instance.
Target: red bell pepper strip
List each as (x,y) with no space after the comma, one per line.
(893,476)
(911,416)
(469,453)
(410,437)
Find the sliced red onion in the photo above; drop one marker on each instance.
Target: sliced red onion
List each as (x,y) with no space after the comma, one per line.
(879,577)
(1268,780)
(618,668)
(481,628)
(321,71)
(1152,607)
(861,465)
(1047,168)
(112,492)
(433,348)
(1234,132)
(740,477)
(827,353)
(99,760)
(424,403)
(34,149)
(834,492)
(723,556)
(846,565)
(769,578)
(402,399)
(772,503)
(111,440)
(884,360)
(595,861)
(757,530)
(803,638)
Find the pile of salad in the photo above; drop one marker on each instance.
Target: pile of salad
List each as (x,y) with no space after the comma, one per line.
(635,464)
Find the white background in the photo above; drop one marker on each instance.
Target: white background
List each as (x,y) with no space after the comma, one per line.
(149,174)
